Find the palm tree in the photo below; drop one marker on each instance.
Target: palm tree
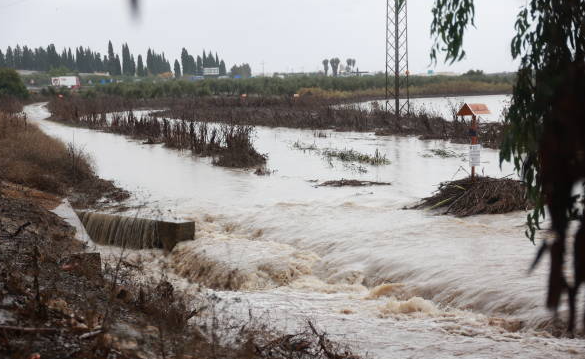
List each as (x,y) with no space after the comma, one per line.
(326,66)
(334,65)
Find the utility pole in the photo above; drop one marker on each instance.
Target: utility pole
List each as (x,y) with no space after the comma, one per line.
(397,74)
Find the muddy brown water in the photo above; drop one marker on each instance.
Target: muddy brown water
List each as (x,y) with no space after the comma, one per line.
(458,287)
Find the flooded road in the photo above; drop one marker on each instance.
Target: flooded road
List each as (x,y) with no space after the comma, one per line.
(396,283)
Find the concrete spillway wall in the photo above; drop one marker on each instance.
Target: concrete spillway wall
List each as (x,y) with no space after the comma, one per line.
(135,233)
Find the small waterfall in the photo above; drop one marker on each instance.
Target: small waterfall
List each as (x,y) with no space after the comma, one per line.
(135,233)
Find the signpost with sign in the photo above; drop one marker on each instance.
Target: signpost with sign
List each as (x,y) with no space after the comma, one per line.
(474,110)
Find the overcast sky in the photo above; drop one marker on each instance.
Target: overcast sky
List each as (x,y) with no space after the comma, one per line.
(284,34)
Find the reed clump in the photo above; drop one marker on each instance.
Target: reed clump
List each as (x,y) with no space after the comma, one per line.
(480,195)
(350,155)
(229,144)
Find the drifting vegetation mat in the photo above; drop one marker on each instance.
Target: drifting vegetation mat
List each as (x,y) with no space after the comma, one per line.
(482,195)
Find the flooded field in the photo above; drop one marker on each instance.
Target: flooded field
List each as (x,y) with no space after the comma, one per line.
(395,283)
(442,105)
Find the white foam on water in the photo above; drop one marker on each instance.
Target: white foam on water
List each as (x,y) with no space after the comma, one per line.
(393,282)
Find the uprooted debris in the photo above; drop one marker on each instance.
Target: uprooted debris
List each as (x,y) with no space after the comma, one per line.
(309,344)
(352,183)
(482,195)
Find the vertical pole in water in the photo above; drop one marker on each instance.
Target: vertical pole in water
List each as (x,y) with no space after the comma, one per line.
(387,55)
(397,4)
(397,57)
(474,140)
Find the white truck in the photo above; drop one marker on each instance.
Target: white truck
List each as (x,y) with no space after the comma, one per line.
(71,82)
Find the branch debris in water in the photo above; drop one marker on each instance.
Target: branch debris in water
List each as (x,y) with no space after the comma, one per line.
(482,195)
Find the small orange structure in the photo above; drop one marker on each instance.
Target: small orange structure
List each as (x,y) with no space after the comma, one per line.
(474,110)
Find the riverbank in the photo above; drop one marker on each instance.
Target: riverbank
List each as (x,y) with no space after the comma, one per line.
(31,158)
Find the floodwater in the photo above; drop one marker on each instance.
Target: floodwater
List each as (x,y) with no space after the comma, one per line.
(443,106)
(394,283)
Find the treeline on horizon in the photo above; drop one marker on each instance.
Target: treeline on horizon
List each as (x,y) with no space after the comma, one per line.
(85,60)
(326,86)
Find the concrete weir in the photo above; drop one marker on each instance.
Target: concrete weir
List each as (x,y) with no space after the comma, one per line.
(135,233)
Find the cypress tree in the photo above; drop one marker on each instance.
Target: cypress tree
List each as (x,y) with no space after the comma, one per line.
(216,61)
(111,59)
(2,59)
(140,67)
(199,65)
(177,69)
(132,66)
(149,62)
(222,68)
(9,58)
(185,62)
(127,61)
(117,66)
(70,61)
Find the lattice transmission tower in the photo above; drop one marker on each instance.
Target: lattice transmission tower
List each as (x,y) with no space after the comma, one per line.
(397,58)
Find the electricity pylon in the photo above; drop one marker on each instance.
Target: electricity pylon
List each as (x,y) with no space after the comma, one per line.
(397,58)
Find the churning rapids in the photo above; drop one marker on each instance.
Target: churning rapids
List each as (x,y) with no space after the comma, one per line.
(395,283)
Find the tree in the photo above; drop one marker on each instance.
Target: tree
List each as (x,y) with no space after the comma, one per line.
(140,71)
(9,58)
(199,65)
(132,66)
(2,60)
(222,68)
(242,71)
(326,66)
(335,65)
(117,66)
(111,59)
(185,61)
(545,137)
(11,84)
(127,61)
(177,69)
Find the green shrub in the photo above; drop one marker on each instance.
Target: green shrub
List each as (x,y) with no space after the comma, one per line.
(11,85)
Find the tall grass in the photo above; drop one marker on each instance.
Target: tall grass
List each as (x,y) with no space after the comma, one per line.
(32,158)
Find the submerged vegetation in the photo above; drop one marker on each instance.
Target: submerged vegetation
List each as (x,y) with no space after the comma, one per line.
(480,195)
(230,145)
(442,153)
(306,112)
(345,155)
(352,183)
(351,155)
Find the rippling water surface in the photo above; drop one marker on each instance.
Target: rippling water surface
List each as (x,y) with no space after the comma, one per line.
(396,283)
